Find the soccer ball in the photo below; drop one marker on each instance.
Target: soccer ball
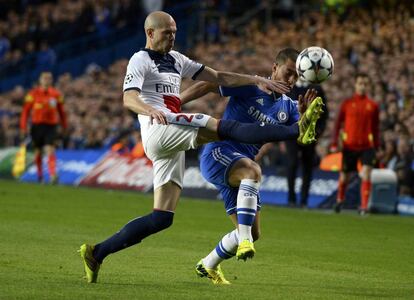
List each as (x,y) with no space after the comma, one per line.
(314,64)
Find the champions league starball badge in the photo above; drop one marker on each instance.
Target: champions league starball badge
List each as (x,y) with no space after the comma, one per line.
(128,78)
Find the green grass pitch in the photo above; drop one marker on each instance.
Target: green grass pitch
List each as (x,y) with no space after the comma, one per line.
(301,255)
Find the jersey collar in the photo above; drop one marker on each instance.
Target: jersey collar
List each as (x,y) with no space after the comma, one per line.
(154,53)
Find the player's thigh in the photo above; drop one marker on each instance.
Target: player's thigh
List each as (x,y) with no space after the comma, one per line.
(368,160)
(168,180)
(50,135)
(244,168)
(170,168)
(166,196)
(166,140)
(217,161)
(37,133)
(50,139)
(349,161)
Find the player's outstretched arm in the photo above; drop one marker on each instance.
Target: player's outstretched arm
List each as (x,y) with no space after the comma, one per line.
(134,102)
(234,79)
(198,90)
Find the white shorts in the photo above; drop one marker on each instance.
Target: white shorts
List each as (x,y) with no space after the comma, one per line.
(165,146)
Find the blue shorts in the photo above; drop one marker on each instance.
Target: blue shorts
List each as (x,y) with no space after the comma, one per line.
(215,164)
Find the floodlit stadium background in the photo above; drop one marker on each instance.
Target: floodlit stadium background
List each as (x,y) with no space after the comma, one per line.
(302,254)
(87,44)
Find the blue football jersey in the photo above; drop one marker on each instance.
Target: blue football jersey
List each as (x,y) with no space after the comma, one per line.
(249,104)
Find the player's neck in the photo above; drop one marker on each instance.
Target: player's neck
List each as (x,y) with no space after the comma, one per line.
(360,95)
(152,48)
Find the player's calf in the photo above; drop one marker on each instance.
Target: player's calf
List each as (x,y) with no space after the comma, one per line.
(246,213)
(133,233)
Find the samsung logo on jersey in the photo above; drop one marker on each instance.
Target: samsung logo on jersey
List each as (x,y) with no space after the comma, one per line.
(259,116)
(167,88)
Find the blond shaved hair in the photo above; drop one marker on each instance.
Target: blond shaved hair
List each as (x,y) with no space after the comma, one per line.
(157,19)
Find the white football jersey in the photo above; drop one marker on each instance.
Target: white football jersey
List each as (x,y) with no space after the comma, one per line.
(158,79)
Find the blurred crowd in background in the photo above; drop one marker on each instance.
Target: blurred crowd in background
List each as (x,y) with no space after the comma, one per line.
(38,27)
(378,41)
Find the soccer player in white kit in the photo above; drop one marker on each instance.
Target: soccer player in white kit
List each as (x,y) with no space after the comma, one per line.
(151,89)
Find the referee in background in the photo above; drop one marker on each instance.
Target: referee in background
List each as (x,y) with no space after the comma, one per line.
(44,105)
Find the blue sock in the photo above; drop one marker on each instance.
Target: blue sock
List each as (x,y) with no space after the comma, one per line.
(133,233)
(255,133)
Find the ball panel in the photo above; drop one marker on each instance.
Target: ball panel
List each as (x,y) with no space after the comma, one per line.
(314,64)
(322,75)
(309,75)
(325,62)
(305,63)
(315,55)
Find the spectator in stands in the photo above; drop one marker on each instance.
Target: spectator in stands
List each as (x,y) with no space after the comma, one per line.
(102,19)
(4,46)
(387,148)
(129,143)
(46,57)
(402,164)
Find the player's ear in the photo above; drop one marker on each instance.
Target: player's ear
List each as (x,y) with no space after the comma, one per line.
(274,70)
(150,32)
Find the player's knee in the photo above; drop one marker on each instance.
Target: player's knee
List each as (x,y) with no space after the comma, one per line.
(162,219)
(255,172)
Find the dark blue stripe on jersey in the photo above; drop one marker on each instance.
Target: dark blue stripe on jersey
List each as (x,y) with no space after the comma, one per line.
(164,62)
(133,88)
(198,72)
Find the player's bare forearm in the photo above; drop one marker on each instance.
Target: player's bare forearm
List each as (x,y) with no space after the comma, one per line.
(227,78)
(234,79)
(198,90)
(133,101)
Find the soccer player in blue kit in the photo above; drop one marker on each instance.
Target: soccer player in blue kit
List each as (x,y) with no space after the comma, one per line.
(230,165)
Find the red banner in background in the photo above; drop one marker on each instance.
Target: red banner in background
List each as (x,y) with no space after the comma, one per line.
(117,171)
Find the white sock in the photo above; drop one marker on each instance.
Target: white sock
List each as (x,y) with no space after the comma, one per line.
(225,249)
(246,207)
